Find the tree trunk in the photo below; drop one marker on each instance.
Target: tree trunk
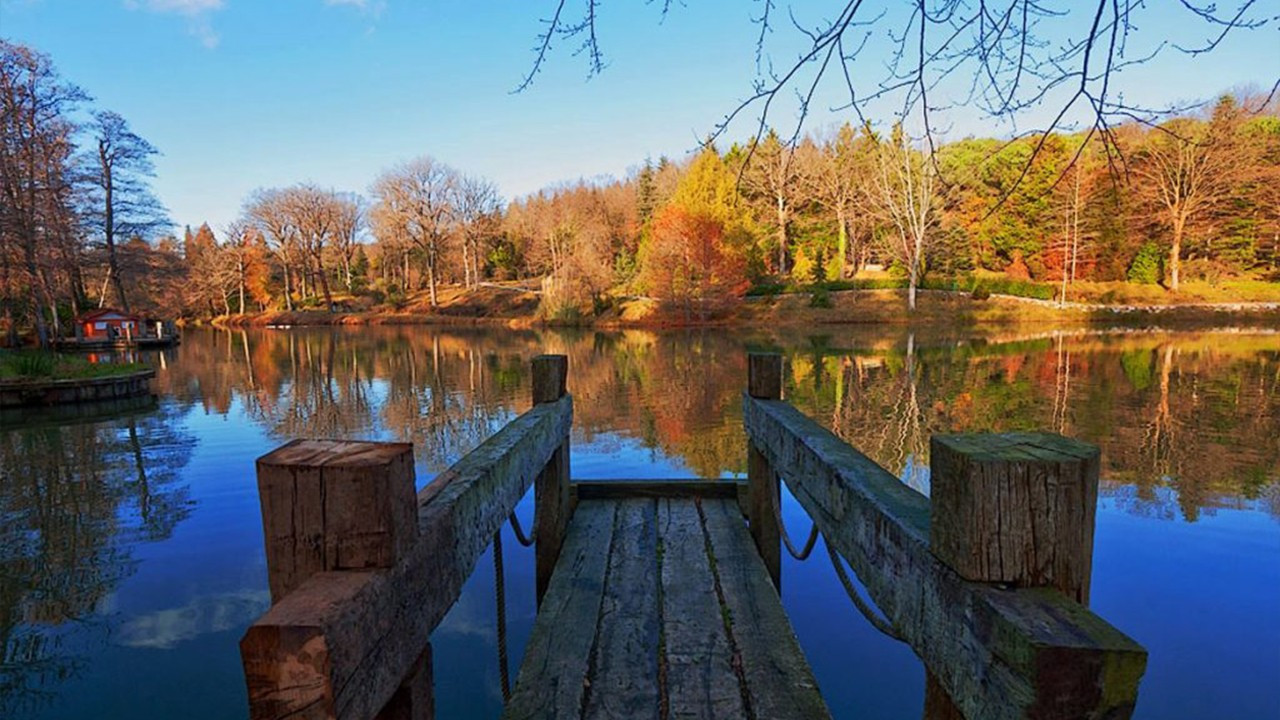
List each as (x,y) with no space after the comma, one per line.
(431,282)
(782,236)
(288,287)
(911,285)
(240,280)
(324,285)
(842,243)
(33,272)
(109,234)
(1175,254)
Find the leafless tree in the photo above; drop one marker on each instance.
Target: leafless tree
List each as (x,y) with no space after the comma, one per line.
(1188,167)
(835,168)
(119,201)
(774,180)
(419,201)
(904,188)
(925,57)
(35,179)
(318,216)
(349,212)
(268,212)
(479,214)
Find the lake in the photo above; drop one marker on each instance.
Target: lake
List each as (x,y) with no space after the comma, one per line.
(131,556)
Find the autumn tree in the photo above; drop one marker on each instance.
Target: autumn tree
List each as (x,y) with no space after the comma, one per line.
(689,263)
(1185,168)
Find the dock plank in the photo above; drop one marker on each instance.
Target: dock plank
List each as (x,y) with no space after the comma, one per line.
(701,682)
(553,675)
(662,609)
(624,672)
(777,678)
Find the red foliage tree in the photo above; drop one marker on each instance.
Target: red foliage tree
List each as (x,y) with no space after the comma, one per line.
(688,264)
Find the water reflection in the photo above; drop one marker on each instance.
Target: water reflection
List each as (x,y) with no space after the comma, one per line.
(131,538)
(1195,412)
(73,496)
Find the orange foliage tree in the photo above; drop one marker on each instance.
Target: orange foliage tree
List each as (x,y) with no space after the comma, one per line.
(688,264)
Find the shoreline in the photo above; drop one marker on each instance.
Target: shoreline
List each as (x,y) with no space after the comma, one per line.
(846,307)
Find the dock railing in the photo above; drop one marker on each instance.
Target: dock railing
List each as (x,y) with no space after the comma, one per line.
(362,570)
(987,579)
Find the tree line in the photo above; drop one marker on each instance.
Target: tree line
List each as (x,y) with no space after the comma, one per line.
(1194,196)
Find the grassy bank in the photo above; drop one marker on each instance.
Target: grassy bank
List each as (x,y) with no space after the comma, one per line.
(37,365)
(1117,294)
(823,305)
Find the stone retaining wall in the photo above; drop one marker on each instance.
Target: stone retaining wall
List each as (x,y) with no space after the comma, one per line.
(16,393)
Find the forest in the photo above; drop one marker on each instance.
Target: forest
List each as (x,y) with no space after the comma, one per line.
(1186,207)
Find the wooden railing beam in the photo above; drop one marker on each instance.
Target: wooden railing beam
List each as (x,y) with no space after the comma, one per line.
(343,642)
(999,652)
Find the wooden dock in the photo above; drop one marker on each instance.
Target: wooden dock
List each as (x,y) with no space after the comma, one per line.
(660,599)
(661,608)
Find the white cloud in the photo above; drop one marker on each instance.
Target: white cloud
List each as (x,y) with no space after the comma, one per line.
(372,8)
(195,11)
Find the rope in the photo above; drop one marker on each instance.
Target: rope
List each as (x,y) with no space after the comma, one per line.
(499,587)
(803,554)
(525,540)
(876,621)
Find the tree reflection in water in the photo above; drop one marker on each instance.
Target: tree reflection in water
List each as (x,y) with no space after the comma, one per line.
(72,498)
(1194,412)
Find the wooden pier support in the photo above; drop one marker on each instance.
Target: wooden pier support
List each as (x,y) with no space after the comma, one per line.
(1016,509)
(764,381)
(334,505)
(329,506)
(361,571)
(553,500)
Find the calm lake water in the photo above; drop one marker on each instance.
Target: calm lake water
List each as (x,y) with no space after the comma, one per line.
(131,556)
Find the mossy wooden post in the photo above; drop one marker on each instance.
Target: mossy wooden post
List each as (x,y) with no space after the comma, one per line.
(1016,509)
(331,505)
(764,381)
(551,492)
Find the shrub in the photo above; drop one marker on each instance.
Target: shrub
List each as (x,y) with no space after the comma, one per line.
(820,297)
(1147,267)
(980,293)
(766,290)
(395,297)
(32,364)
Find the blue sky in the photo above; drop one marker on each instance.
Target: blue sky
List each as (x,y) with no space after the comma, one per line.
(242,94)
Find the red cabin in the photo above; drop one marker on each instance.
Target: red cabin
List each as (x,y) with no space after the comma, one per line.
(109,324)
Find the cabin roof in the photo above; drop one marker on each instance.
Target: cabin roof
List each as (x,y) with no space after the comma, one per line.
(107,314)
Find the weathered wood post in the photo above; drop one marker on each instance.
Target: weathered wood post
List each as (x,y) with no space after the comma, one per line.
(1016,509)
(764,381)
(551,493)
(331,505)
